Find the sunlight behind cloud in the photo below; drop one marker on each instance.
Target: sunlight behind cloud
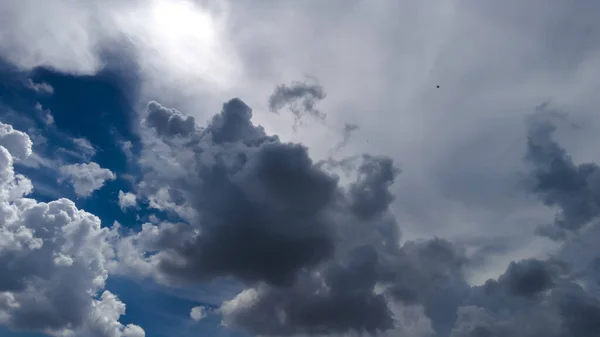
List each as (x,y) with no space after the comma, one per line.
(174,43)
(178,40)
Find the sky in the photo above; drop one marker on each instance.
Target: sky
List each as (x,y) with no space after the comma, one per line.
(299,168)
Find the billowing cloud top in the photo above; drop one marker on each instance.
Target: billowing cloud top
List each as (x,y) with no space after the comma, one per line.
(318,256)
(53,259)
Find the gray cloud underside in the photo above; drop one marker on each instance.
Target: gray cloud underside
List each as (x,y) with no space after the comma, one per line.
(320,256)
(573,189)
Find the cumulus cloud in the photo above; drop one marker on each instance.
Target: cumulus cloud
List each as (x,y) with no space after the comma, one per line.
(86,178)
(168,121)
(320,253)
(565,309)
(241,196)
(381,58)
(198,313)
(53,259)
(127,200)
(17,142)
(573,189)
(527,278)
(248,197)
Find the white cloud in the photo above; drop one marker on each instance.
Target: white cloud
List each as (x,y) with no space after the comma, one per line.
(198,313)
(43,87)
(86,178)
(17,142)
(127,200)
(188,41)
(54,259)
(104,319)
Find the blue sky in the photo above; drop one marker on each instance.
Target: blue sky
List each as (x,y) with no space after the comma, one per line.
(98,108)
(285,168)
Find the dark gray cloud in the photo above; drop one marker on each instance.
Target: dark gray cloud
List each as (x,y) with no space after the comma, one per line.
(532,298)
(527,278)
(168,121)
(370,194)
(301,98)
(574,189)
(255,198)
(322,257)
(341,298)
(266,214)
(345,302)
(580,313)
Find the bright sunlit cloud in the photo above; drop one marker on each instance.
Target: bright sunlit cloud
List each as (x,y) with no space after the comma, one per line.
(183,40)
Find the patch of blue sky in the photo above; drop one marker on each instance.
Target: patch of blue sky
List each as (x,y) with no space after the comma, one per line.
(97,111)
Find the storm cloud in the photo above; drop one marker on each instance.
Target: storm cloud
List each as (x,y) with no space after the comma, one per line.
(262,211)
(318,253)
(253,198)
(573,189)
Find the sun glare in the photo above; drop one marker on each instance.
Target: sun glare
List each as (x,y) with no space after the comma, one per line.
(182,20)
(181,40)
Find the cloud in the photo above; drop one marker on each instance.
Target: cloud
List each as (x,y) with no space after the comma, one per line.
(127,149)
(86,178)
(87,149)
(247,197)
(346,133)
(17,142)
(301,98)
(42,88)
(566,311)
(113,27)
(528,277)
(54,260)
(169,121)
(253,197)
(104,319)
(127,200)
(243,213)
(459,146)
(198,313)
(318,253)
(46,117)
(573,189)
